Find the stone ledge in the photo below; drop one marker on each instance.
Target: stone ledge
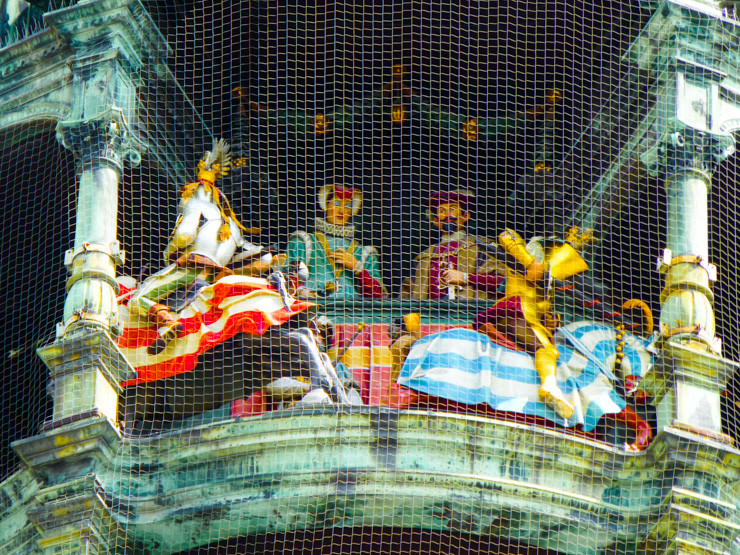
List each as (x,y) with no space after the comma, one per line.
(336,467)
(328,467)
(75,444)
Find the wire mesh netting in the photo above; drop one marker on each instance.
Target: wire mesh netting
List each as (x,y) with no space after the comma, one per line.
(389,282)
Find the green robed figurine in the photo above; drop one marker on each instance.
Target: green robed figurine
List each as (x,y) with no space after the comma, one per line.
(339,266)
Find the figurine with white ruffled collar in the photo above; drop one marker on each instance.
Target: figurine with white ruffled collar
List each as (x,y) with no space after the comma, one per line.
(339,266)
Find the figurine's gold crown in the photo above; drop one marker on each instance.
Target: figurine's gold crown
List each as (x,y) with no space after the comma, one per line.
(216,163)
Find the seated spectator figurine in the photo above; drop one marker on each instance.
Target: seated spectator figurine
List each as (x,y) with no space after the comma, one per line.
(454,268)
(339,266)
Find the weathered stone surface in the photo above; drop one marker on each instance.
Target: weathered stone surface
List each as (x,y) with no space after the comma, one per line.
(293,470)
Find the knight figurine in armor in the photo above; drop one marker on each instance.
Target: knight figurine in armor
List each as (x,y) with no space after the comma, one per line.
(339,267)
(454,268)
(525,313)
(205,240)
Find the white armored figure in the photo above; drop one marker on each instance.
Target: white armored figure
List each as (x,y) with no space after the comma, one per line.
(206,227)
(206,245)
(205,240)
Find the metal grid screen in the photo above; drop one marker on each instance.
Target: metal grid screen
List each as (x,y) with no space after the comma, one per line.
(369,277)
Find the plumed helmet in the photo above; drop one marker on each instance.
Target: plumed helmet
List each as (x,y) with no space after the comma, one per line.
(216,162)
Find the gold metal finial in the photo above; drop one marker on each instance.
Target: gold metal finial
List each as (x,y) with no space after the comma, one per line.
(398,71)
(320,124)
(399,113)
(470,129)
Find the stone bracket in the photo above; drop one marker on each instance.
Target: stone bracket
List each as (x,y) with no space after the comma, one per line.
(693,523)
(92,346)
(685,384)
(86,368)
(75,445)
(74,515)
(707,370)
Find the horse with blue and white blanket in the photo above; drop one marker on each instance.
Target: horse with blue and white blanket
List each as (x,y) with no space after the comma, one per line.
(466,367)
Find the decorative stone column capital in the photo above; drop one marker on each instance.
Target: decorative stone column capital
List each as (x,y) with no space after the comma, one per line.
(684,149)
(691,150)
(103,139)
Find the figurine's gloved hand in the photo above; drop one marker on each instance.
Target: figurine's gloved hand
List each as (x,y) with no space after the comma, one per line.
(580,238)
(298,270)
(306,293)
(262,264)
(344,258)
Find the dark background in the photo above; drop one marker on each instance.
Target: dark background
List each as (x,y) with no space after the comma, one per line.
(478,59)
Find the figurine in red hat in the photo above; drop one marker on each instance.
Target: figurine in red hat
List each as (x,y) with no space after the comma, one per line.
(455,268)
(339,266)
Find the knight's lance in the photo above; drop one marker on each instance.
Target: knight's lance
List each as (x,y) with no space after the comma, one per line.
(348,344)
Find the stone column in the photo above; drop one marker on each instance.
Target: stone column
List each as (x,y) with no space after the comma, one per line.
(85,365)
(686,302)
(690,350)
(92,287)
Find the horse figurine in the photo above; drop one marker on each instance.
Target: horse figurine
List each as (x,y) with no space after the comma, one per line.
(469,369)
(519,360)
(213,293)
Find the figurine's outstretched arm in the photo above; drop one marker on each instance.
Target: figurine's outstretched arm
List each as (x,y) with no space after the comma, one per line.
(501,256)
(367,275)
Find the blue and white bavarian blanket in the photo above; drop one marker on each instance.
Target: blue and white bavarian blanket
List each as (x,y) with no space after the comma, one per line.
(467,367)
